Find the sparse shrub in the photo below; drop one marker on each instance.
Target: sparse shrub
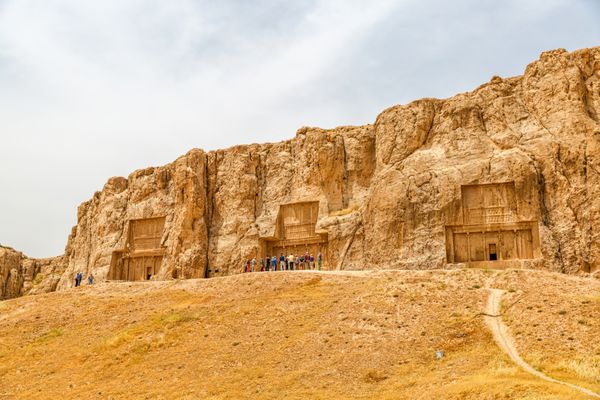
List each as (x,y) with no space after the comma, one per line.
(375,376)
(51,334)
(313,281)
(344,211)
(173,319)
(118,339)
(38,279)
(585,369)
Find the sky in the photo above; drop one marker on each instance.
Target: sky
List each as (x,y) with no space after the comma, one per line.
(94,89)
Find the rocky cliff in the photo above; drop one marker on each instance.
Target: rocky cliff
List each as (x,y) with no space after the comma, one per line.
(387,192)
(21,275)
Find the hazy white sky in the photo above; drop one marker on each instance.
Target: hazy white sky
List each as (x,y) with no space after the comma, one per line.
(93,89)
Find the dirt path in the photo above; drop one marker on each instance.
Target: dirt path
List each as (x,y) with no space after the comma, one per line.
(335,272)
(505,341)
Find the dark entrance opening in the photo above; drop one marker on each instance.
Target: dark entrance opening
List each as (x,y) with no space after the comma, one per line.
(493,256)
(141,258)
(296,234)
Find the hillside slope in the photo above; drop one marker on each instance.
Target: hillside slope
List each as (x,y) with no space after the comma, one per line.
(296,335)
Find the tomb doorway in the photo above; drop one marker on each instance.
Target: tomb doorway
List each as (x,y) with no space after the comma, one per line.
(142,256)
(295,233)
(491,228)
(492,252)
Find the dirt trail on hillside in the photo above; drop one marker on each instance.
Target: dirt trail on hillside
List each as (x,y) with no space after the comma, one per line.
(338,272)
(504,339)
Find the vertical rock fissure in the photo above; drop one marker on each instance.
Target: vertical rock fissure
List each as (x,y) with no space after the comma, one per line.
(345,188)
(347,247)
(207,213)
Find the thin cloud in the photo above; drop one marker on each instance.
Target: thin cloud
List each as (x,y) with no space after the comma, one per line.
(96,89)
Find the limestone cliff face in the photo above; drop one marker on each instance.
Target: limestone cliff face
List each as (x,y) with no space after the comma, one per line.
(176,191)
(540,130)
(386,191)
(21,275)
(217,205)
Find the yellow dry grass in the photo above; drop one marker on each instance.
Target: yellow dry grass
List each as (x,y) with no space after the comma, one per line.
(292,335)
(556,323)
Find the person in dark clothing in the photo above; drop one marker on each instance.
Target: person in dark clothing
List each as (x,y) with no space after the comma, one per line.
(282,261)
(78,278)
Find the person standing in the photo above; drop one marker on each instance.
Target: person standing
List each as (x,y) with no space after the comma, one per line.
(319,260)
(90,279)
(311,261)
(253,264)
(274,264)
(262,264)
(282,261)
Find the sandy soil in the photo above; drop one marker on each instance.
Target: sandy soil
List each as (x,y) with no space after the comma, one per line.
(505,341)
(298,335)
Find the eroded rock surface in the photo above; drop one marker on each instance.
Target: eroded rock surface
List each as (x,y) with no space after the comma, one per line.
(386,191)
(21,275)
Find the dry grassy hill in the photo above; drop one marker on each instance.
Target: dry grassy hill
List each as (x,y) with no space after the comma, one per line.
(299,335)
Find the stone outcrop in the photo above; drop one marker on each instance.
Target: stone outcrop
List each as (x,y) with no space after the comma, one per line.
(387,192)
(21,275)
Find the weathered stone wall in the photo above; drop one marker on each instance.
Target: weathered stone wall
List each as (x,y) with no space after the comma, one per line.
(11,273)
(386,190)
(21,275)
(176,191)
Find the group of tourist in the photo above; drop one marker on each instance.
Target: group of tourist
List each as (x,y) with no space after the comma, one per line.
(289,263)
(79,278)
